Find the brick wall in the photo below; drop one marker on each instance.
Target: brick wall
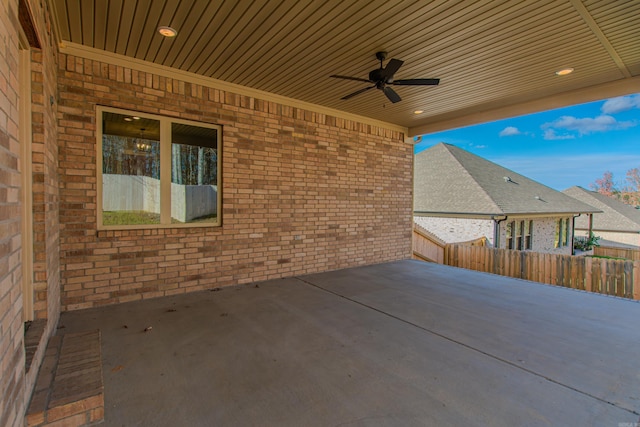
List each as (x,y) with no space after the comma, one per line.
(11,327)
(452,230)
(455,230)
(544,232)
(46,227)
(302,192)
(15,383)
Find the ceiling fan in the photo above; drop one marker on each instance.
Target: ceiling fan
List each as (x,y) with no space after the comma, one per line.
(383,77)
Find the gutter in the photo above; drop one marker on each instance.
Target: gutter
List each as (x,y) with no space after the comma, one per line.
(496,229)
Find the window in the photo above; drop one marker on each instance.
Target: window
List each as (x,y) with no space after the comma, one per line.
(157,171)
(519,233)
(528,234)
(562,232)
(510,231)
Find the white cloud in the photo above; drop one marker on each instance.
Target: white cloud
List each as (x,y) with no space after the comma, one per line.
(551,135)
(585,126)
(620,104)
(510,131)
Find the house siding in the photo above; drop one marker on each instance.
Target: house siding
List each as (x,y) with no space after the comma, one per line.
(453,230)
(544,232)
(302,192)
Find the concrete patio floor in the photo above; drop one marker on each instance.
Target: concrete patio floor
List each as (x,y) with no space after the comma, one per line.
(398,344)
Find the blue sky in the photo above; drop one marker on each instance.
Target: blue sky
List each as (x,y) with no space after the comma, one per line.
(558,148)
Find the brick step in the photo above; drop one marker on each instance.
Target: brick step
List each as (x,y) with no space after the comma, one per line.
(69,389)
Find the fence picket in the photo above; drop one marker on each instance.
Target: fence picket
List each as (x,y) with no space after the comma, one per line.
(606,276)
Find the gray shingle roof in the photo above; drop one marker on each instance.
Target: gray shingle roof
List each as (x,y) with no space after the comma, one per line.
(450,180)
(615,216)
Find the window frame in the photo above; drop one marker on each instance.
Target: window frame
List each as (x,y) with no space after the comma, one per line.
(563,233)
(165,170)
(566,232)
(519,235)
(528,235)
(509,234)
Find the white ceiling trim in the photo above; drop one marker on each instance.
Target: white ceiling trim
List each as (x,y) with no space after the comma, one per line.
(168,72)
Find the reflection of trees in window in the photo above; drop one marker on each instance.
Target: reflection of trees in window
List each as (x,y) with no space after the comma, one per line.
(193,165)
(130,156)
(194,155)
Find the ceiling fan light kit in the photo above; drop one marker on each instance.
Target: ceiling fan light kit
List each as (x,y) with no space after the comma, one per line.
(382,78)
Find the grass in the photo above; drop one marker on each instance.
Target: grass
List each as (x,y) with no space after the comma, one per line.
(606,257)
(143,218)
(129,218)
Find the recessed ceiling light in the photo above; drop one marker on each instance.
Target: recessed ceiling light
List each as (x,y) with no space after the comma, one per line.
(167,31)
(564,71)
(128,119)
(418,112)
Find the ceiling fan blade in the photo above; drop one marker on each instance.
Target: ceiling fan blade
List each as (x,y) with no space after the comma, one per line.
(358,92)
(416,82)
(391,94)
(358,79)
(392,66)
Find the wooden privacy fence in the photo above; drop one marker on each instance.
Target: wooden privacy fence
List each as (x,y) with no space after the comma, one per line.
(426,246)
(630,254)
(606,276)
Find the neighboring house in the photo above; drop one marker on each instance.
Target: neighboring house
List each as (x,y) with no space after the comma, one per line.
(617,222)
(459,197)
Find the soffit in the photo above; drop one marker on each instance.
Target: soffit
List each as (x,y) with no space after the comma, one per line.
(495,59)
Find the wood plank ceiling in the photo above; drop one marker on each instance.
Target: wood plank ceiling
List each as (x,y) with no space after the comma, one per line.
(494,58)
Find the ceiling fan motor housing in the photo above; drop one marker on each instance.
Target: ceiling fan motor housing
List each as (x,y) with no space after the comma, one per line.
(376,75)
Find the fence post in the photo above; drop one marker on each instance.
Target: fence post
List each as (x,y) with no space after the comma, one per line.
(635,282)
(588,285)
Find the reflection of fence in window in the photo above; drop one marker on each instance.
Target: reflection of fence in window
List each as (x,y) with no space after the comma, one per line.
(130,193)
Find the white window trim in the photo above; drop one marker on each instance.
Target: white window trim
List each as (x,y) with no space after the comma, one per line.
(165,171)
